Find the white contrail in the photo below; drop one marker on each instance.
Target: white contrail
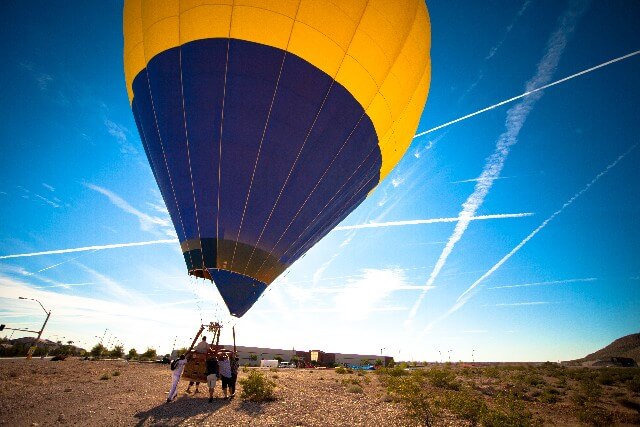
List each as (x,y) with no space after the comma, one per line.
(59,264)
(518,304)
(430,221)
(544,223)
(516,117)
(91,248)
(528,92)
(346,227)
(552,282)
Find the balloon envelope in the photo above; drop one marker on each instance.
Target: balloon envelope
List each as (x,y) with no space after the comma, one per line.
(266,123)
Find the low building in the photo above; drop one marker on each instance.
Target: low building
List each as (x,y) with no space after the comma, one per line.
(251,356)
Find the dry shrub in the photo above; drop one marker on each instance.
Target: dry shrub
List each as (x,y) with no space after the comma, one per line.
(257,387)
(594,415)
(549,395)
(634,384)
(441,378)
(463,404)
(355,389)
(105,376)
(410,392)
(508,411)
(630,404)
(395,371)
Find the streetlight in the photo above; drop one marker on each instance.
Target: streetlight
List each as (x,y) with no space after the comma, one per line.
(33,347)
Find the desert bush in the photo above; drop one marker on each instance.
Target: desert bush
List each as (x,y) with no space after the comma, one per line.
(509,411)
(634,385)
(273,369)
(341,370)
(441,378)
(549,395)
(606,378)
(629,404)
(492,372)
(355,389)
(594,415)
(410,392)
(105,376)
(256,387)
(350,381)
(116,373)
(395,371)
(530,378)
(591,389)
(275,376)
(463,404)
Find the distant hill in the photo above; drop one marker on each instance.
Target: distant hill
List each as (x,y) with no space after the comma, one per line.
(627,346)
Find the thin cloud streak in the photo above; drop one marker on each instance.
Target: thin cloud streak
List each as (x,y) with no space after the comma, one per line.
(472,290)
(519,304)
(91,248)
(545,222)
(516,118)
(341,228)
(431,221)
(147,222)
(478,179)
(552,282)
(528,93)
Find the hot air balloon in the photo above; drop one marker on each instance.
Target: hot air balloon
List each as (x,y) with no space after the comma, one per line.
(266,122)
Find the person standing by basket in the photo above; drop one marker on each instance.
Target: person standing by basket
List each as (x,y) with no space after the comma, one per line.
(235,365)
(177,367)
(212,375)
(224,367)
(201,348)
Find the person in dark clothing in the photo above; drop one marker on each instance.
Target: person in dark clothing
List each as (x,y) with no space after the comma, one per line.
(212,372)
(224,367)
(234,375)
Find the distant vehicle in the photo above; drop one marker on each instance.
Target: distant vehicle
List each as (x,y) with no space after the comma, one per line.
(165,360)
(269,363)
(285,365)
(363,367)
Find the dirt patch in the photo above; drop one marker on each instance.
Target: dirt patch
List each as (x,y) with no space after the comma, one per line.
(115,393)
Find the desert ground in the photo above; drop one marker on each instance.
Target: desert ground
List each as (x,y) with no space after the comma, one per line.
(119,393)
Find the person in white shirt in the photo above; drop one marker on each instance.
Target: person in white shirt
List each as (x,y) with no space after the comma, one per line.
(177,367)
(224,367)
(202,348)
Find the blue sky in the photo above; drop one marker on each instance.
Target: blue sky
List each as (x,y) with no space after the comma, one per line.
(557,280)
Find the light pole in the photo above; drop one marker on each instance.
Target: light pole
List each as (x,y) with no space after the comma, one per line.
(449,351)
(473,358)
(440,353)
(33,347)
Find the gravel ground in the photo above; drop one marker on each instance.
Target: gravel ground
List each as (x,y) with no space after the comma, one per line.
(41,392)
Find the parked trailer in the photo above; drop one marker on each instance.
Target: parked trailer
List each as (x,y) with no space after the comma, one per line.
(269,363)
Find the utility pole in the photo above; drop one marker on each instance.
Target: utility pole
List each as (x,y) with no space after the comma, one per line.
(33,346)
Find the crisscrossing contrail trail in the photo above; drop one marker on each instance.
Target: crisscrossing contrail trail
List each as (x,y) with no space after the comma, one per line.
(527,93)
(545,222)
